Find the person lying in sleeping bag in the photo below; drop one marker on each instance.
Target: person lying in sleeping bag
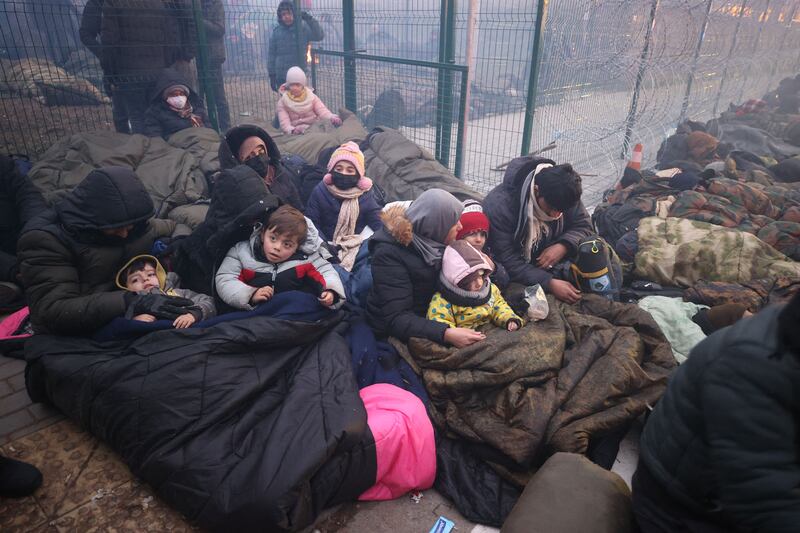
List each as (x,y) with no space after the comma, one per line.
(144,275)
(272,261)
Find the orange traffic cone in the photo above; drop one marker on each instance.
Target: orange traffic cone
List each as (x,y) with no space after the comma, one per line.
(636,158)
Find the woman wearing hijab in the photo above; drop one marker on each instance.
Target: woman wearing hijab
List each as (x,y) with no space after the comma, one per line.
(406,259)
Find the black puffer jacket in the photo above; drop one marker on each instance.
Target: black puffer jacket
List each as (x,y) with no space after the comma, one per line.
(238,201)
(69,266)
(502,206)
(402,283)
(141,37)
(284,186)
(159,119)
(20,201)
(723,440)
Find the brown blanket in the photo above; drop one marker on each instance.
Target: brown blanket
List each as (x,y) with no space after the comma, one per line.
(586,370)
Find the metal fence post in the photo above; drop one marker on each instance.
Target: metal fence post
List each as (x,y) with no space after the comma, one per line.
(349,44)
(730,55)
(630,120)
(444,101)
(462,120)
(533,76)
(206,88)
(690,78)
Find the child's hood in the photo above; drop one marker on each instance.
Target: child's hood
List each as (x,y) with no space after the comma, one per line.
(461,259)
(160,272)
(166,79)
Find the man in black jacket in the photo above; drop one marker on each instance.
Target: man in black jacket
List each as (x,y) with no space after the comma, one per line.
(538,221)
(252,146)
(70,255)
(720,451)
(283,52)
(91,23)
(138,38)
(20,201)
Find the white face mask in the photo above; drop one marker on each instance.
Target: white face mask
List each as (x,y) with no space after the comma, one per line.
(178,102)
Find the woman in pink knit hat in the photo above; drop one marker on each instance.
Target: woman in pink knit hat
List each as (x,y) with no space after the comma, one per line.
(299,107)
(343,204)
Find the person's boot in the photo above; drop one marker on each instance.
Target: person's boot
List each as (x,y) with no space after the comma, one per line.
(18,479)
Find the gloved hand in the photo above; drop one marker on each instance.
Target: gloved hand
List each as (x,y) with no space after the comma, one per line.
(156,304)
(305,15)
(273,83)
(336,121)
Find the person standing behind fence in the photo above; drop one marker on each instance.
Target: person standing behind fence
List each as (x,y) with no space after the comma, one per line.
(283,50)
(139,38)
(214,24)
(89,33)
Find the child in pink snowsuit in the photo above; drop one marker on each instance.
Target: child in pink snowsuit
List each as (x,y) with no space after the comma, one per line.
(299,107)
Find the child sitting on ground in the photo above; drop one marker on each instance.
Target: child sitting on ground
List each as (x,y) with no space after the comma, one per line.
(299,107)
(144,274)
(475,230)
(272,261)
(343,204)
(173,107)
(467,298)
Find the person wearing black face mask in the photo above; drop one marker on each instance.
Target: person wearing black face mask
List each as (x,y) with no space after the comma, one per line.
(251,146)
(343,204)
(260,163)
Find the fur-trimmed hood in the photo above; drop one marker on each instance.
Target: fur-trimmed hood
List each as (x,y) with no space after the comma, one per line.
(397,225)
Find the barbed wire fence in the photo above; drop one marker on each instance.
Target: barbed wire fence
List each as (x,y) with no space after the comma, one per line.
(480,81)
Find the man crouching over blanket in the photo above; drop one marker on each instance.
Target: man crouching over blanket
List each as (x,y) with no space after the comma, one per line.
(70,255)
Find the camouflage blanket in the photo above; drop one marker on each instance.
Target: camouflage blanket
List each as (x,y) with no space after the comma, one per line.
(755,294)
(678,251)
(774,218)
(585,370)
(47,83)
(174,172)
(623,209)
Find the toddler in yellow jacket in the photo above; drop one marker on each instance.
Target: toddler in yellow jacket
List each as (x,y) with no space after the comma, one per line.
(466,297)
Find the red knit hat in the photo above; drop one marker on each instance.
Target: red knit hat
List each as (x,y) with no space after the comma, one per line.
(471,222)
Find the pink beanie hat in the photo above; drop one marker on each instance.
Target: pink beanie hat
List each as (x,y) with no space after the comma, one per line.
(404,443)
(351,153)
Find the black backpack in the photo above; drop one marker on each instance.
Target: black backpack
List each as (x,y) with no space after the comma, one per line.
(597,269)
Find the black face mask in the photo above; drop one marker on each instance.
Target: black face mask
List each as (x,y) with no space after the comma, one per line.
(259,163)
(343,181)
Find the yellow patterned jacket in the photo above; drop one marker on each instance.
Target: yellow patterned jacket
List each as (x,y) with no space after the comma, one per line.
(496,310)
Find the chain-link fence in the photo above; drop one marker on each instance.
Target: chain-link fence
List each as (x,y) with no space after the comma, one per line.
(477,82)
